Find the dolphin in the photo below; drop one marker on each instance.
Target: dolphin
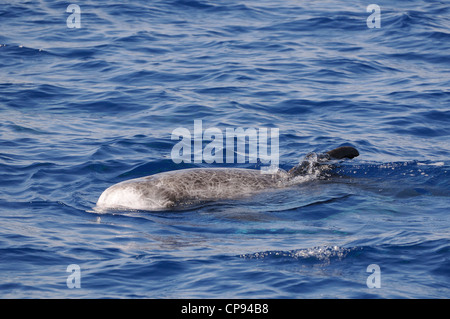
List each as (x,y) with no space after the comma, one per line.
(194,185)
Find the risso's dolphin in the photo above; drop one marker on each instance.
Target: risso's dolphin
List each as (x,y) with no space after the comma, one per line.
(188,186)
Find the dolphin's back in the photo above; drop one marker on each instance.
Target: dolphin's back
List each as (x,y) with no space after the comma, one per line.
(187,186)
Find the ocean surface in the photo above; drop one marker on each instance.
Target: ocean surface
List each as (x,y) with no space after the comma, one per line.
(83,108)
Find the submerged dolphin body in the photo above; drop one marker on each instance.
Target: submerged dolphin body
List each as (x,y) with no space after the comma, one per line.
(170,189)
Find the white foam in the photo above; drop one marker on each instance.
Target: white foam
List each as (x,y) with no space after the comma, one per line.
(433,164)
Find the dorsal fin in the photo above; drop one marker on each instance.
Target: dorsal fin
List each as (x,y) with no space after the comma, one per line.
(343,152)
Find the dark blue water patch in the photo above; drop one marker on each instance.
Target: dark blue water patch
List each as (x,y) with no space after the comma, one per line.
(109,107)
(150,76)
(437,115)
(310,268)
(28,255)
(139,37)
(221,90)
(331,266)
(432,58)
(193,4)
(424,131)
(43,93)
(438,35)
(150,168)
(408,262)
(314,24)
(429,95)
(95,66)
(299,106)
(15,54)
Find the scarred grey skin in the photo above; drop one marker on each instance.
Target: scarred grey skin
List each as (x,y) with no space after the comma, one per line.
(187,186)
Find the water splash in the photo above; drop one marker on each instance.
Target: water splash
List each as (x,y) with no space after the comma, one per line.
(320,253)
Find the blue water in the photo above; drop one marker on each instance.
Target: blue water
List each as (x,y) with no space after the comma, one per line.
(84,108)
